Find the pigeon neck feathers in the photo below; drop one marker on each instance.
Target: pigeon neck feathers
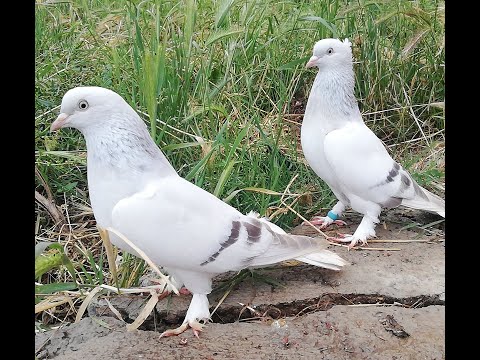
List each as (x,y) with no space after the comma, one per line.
(121,144)
(332,96)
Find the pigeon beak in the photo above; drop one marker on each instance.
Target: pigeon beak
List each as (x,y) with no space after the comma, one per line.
(57,124)
(312,62)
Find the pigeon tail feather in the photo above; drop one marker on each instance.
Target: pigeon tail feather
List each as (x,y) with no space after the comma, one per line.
(433,203)
(325,259)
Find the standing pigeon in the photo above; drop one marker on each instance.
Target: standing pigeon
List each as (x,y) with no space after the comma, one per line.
(346,154)
(191,233)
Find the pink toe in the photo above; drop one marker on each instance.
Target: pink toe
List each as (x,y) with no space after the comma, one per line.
(317,222)
(184,291)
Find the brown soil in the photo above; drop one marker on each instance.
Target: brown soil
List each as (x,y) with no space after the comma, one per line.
(386,305)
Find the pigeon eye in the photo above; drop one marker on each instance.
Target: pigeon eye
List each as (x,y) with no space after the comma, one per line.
(83,105)
(330,51)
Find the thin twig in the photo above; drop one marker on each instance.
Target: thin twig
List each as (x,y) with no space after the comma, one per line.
(44,184)
(288,187)
(376,304)
(413,114)
(221,301)
(401,240)
(45,342)
(416,139)
(396,108)
(305,220)
(132,290)
(376,249)
(51,208)
(47,112)
(67,216)
(169,126)
(115,311)
(48,203)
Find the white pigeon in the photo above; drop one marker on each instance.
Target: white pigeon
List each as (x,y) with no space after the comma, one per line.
(191,233)
(346,154)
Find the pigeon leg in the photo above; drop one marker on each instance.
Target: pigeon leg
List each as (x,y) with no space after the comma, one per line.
(195,325)
(365,231)
(198,309)
(183,290)
(176,331)
(331,218)
(165,293)
(324,221)
(346,238)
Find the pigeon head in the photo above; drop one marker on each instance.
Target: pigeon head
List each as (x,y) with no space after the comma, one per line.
(328,53)
(84,106)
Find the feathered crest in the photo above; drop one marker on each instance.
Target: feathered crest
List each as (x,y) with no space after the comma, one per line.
(347,42)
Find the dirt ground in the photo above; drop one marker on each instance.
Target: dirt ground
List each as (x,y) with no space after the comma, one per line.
(388,304)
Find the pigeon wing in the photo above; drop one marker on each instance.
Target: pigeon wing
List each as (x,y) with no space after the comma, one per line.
(181,225)
(364,168)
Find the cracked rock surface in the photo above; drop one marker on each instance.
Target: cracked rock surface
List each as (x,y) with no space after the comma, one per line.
(388,304)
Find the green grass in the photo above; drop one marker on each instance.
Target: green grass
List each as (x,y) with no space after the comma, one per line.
(221,84)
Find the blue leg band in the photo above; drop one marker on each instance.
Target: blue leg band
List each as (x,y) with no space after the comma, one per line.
(332,215)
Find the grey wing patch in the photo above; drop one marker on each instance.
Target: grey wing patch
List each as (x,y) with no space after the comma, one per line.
(406,182)
(232,239)
(254,231)
(392,174)
(251,231)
